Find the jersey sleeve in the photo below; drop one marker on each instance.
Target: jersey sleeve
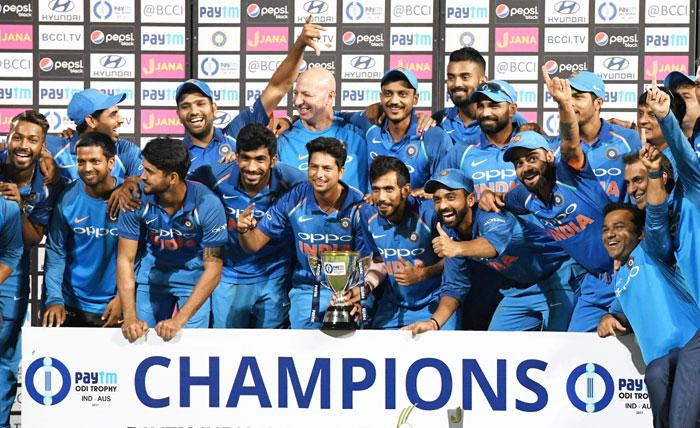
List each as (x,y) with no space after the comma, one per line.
(41,214)
(131,158)
(496,228)
(129,224)
(687,161)
(615,307)
(275,221)
(574,177)
(11,244)
(438,145)
(657,240)
(362,238)
(516,199)
(213,220)
(55,259)
(451,158)
(455,278)
(253,114)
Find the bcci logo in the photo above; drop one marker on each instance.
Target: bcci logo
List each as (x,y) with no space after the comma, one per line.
(225,150)
(56,381)
(345,223)
(412,151)
(596,388)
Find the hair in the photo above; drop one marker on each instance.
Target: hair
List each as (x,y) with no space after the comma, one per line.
(191,90)
(638,216)
(255,136)
(677,103)
(468,54)
(331,146)
(666,167)
(98,139)
(168,155)
(30,116)
(83,125)
(384,164)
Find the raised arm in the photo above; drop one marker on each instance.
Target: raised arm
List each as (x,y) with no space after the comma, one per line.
(570,148)
(287,72)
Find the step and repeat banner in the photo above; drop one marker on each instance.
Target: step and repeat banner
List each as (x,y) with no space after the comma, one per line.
(51,49)
(289,379)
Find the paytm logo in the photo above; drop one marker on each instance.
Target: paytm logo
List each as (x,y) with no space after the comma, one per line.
(667,39)
(225,94)
(620,96)
(16,92)
(412,38)
(213,12)
(163,38)
(58,92)
(355,94)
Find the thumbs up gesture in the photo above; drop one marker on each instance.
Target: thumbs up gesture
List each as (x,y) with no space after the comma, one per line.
(443,245)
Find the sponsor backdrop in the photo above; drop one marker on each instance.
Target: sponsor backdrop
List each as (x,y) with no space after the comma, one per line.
(50,49)
(307,378)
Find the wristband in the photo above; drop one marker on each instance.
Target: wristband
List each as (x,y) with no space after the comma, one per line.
(437,324)
(655,175)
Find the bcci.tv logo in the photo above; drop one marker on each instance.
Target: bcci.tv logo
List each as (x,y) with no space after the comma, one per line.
(47,381)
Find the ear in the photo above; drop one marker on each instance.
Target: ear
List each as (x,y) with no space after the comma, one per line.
(273,161)
(110,164)
(341,171)
(405,190)
(331,97)
(91,122)
(415,97)
(512,109)
(214,107)
(471,200)
(549,156)
(174,177)
(598,104)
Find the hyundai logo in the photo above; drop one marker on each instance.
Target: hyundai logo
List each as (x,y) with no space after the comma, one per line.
(315,6)
(363,62)
(221,118)
(113,61)
(61,5)
(616,63)
(567,7)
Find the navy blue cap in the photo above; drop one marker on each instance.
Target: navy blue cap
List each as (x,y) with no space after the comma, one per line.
(402,74)
(452,179)
(676,78)
(498,91)
(586,81)
(195,84)
(530,140)
(86,102)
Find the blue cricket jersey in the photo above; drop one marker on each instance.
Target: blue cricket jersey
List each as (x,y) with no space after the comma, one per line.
(11,244)
(39,200)
(313,230)
(574,220)
(422,155)
(291,147)
(526,254)
(449,120)
(174,245)
(686,203)
(652,293)
(273,260)
(605,156)
(483,163)
(81,252)
(127,162)
(412,241)
(224,140)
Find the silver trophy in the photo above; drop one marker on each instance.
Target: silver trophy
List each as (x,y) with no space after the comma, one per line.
(339,271)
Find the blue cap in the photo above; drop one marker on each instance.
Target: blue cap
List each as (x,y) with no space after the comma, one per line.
(86,102)
(676,78)
(402,74)
(195,84)
(452,179)
(530,140)
(586,81)
(498,91)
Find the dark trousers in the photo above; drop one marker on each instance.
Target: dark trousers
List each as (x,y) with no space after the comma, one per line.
(673,382)
(77,318)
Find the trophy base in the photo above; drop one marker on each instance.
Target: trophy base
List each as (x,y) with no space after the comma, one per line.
(338,318)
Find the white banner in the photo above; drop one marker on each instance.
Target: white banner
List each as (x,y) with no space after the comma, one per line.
(268,379)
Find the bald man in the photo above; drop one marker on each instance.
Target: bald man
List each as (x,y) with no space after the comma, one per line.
(314,98)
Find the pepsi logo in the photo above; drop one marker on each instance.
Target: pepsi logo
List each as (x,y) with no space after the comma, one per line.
(253,10)
(601,39)
(502,10)
(551,66)
(46,64)
(97,37)
(349,38)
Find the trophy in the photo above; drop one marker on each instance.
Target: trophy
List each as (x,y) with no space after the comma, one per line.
(338,271)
